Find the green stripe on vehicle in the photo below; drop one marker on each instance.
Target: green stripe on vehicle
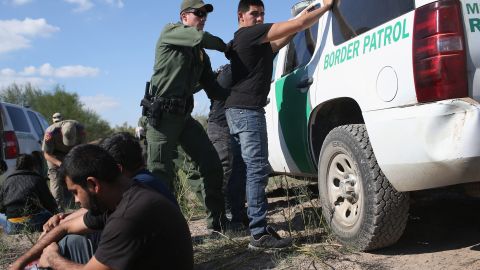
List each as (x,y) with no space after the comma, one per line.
(294,109)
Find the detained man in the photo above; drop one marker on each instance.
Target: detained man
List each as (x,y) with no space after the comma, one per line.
(141,228)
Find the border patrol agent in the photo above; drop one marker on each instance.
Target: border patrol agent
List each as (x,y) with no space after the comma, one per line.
(181,67)
(59,138)
(57,117)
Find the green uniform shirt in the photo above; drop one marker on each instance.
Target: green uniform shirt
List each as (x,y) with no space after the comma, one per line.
(181,63)
(142,122)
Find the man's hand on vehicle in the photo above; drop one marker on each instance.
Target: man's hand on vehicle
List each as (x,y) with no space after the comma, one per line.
(328,3)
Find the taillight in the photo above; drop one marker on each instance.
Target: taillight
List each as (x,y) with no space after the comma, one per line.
(439,57)
(11,144)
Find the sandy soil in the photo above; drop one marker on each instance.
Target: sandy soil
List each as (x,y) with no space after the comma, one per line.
(443,232)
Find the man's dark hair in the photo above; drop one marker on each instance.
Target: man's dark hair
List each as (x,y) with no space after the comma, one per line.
(244,5)
(125,149)
(25,162)
(89,160)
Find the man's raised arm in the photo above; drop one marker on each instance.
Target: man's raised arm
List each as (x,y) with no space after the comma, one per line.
(281,33)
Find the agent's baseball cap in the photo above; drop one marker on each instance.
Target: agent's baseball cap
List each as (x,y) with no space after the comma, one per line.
(69,133)
(186,4)
(57,117)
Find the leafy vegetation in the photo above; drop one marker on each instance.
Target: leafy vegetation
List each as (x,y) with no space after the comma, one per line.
(60,100)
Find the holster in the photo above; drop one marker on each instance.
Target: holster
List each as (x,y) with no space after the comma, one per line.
(161,105)
(145,103)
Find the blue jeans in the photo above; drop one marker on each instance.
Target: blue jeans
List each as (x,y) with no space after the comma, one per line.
(79,248)
(34,223)
(250,144)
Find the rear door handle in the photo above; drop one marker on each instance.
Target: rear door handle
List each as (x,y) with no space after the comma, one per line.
(305,83)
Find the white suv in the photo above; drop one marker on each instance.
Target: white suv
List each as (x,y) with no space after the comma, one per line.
(379,98)
(23,131)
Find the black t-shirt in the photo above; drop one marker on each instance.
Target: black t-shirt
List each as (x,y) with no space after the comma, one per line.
(252,65)
(146,231)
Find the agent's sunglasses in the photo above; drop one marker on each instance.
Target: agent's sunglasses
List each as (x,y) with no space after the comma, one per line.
(197,12)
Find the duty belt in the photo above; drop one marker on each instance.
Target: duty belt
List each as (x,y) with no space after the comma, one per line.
(171,105)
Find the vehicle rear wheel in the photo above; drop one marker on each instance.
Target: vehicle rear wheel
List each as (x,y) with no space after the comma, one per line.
(360,205)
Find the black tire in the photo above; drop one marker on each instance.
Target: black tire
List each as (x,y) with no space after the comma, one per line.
(360,205)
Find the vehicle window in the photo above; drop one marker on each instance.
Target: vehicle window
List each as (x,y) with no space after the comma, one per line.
(353,17)
(301,49)
(18,118)
(2,115)
(36,124)
(43,121)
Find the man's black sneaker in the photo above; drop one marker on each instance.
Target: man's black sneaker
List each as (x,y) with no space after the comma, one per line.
(269,240)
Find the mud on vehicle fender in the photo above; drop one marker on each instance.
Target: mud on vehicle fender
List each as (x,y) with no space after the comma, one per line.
(359,204)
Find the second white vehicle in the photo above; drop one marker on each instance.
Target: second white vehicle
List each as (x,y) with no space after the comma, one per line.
(22,130)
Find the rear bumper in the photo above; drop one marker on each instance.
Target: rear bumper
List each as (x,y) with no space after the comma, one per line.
(427,145)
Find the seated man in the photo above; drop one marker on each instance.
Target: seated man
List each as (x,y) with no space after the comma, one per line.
(127,152)
(25,198)
(141,228)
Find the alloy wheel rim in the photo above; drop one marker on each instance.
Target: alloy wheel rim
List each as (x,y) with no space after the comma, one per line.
(344,190)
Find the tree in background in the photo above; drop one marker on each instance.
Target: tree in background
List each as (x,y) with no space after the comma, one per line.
(59,100)
(125,127)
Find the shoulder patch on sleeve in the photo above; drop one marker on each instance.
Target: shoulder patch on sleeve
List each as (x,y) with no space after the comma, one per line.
(48,136)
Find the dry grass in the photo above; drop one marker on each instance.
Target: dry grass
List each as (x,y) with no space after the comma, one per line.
(12,246)
(294,211)
(189,203)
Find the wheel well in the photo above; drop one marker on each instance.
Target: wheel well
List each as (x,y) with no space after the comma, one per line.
(329,115)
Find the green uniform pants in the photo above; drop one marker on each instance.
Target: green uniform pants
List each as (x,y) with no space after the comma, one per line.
(59,190)
(162,140)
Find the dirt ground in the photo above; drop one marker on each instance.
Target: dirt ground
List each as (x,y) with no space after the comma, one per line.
(443,232)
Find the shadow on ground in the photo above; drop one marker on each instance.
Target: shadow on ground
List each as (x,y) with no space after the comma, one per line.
(438,222)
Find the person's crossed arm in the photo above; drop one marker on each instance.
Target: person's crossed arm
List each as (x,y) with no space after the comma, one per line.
(72,226)
(51,258)
(55,220)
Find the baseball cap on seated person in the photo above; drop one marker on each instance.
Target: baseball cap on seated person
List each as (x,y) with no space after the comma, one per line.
(69,133)
(189,4)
